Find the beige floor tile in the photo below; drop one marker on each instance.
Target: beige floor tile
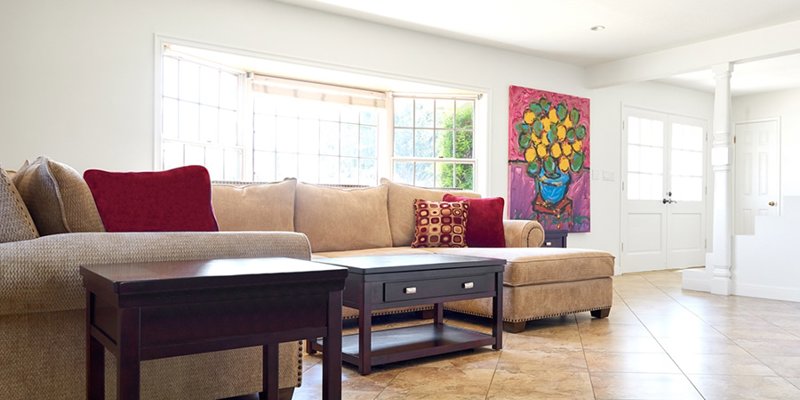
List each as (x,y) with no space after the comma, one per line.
(615,344)
(354,385)
(715,387)
(757,333)
(509,385)
(619,330)
(700,346)
(448,382)
(785,366)
(525,361)
(631,362)
(721,364)
(529,341)
(794,381)
(643,386)
(770,347)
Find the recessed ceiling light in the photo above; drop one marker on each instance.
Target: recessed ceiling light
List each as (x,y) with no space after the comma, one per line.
(598,28)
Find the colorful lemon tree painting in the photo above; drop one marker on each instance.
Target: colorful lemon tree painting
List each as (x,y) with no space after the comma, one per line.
(548,159)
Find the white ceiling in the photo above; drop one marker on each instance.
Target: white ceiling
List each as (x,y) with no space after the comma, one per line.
(559,29)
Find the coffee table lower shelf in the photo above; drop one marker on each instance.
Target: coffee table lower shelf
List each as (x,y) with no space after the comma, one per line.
(400,344)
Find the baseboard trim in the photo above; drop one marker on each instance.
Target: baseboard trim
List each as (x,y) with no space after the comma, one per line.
(767,292)
(695,279)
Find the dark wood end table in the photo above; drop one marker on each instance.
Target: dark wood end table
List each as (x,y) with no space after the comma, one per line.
(380,282)
(146,311)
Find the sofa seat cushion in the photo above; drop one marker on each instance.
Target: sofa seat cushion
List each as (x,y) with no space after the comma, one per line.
(533,266)
(340,219)
(254,207)
(380,251)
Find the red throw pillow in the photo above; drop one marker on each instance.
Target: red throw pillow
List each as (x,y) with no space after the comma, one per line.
(167,201)
(485,223)
(440,223)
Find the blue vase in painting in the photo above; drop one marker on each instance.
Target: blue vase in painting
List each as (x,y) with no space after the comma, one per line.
(553,187)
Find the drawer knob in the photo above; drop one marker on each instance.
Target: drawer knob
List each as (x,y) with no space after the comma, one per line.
(468,285)
(548,244)
(410,290)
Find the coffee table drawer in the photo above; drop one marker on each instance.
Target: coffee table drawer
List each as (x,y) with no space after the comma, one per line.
(400,291)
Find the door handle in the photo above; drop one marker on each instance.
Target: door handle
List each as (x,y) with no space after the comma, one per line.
(772,203)
(668,201)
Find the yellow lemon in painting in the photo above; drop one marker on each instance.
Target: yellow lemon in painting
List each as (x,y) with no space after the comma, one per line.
(541,150)
(577,145)
(545,140)
(536,139)
(530,154)
(528,117)
(566,148)
(552,115)
(546,122)
(562,132)
(556,150)
(563,164)
(568,123)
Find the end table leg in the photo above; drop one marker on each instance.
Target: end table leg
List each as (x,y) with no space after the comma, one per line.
(332,350)
(364,339)
(128,359)
(269,373)
(497,312)
(95,358)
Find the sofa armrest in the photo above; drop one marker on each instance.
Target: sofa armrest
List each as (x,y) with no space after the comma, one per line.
(42,275)
(523,233)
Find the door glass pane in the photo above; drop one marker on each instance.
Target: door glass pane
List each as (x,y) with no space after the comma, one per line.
(686,170)
(645,159)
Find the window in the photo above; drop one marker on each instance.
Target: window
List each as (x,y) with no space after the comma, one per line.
(433,142)
(200,111)
(245,126)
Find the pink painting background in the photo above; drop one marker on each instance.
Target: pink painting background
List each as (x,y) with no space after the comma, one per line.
(521,187)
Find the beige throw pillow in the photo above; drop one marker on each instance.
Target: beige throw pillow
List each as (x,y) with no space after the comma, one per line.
(401,208)
(256,207)
(16,223)
(338,219)
(57,197)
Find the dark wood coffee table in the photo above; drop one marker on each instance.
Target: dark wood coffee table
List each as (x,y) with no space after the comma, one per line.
(380,282)
(146,311)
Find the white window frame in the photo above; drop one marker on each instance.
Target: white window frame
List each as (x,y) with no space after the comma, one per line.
(482,116)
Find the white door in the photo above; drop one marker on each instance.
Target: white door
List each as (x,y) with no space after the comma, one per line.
(757,172)
(663,221)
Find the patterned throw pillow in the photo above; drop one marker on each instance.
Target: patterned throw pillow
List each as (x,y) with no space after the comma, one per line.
(440,223)
(16,223)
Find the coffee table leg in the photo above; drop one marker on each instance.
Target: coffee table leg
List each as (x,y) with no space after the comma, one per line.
(497,312)
(269,373)
(365,338)
(332,350)
(128,359)
(438,313)
(95,357)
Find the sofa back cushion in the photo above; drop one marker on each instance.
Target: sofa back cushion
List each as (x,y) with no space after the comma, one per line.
(485,223)
(340,219)
(401,208)
(254,207)
(57,197)
(17,223)
(176,200)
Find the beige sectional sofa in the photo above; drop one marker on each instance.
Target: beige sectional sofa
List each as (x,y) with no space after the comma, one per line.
(42,302)
(538,282)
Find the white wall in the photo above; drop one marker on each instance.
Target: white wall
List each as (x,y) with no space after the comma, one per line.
(784,105)
(77,80)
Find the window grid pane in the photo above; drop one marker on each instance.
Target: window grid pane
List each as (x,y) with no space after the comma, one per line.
(198,127)
(426,129)
(316,142)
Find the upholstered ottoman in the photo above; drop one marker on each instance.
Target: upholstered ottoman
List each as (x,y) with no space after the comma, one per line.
(544,282)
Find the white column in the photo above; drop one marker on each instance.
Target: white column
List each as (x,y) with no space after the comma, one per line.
(719,261)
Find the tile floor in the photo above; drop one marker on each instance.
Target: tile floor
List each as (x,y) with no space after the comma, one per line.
(660,342)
